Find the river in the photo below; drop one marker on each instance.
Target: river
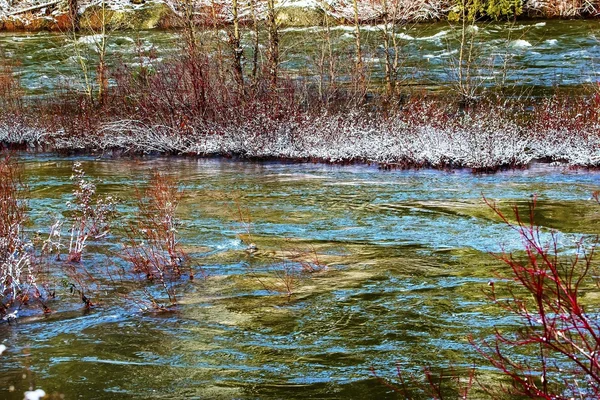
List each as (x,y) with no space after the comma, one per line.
(541,55)
(408,256)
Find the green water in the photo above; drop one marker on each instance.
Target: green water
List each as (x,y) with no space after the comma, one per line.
(541,55)
(407,255)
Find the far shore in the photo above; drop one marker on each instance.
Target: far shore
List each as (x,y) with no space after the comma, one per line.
(54,15)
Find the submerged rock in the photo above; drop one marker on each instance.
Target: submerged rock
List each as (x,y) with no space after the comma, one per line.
(119,15)
(139,15)
(252,248)
(292,16)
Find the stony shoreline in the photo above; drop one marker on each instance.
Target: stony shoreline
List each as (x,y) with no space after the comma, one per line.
(53,15)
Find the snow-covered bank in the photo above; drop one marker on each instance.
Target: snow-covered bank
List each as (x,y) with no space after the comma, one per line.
(480,145)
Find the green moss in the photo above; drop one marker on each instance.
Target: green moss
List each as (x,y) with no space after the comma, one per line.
(503,9)
(494,9)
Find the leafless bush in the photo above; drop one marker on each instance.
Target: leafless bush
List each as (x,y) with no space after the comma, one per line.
(90,214)
(557,324)
(152,246)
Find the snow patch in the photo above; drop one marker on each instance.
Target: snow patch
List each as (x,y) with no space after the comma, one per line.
(520,43)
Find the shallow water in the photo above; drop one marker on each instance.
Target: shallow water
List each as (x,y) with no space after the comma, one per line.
(407,255)
(535,54)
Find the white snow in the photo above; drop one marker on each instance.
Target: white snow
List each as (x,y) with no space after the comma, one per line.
(34,395)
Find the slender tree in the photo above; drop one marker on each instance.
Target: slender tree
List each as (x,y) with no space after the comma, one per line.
(389,75)
(255,43)
(273,55)
(101,47)
(359,65)
(467,88)
(327,64)
(193,53)
(236,46)
(217,39)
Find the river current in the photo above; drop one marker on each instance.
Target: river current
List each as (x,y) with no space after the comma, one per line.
(408,257)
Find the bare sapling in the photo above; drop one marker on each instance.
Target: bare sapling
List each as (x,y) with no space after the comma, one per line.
(235,43)
(101,69)
(389,24)
(464,66)
(88,87)
(195,65)
(74,14)
(286,277)
(273,50)
(95,92)
(327,65)
(359,67)
(466,88)
(286,269)
(391,46)
(255,42)
(11,94)
(217,39)
(281,277)
(307,258)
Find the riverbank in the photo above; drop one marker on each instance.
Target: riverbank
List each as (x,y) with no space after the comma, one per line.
(30,15)
(419,133)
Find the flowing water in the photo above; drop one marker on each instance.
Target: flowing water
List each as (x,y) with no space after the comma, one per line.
(407,255)
(541,55)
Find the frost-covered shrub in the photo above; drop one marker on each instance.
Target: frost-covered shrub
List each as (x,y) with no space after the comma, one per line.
(17,276)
